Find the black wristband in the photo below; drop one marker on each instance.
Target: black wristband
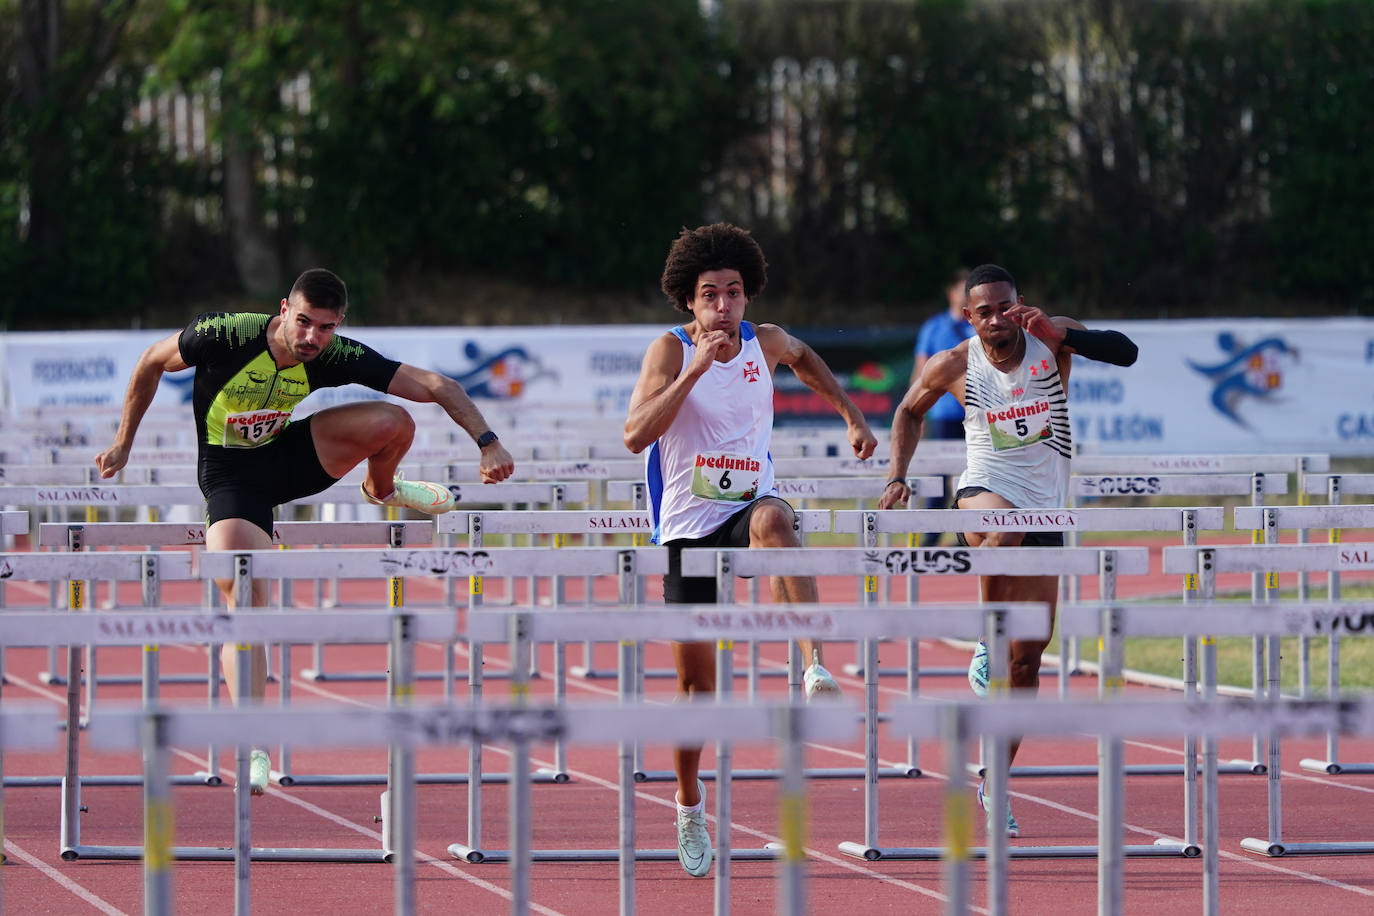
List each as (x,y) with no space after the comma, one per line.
(899,480)
(487,438)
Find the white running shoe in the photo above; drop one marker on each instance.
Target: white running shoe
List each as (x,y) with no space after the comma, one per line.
(693,839)
(1013,828)
(817,682)
(420,495)
(978,670)
(259,771)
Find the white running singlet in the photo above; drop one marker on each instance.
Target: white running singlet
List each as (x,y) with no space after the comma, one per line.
(1016,428)
(713,460)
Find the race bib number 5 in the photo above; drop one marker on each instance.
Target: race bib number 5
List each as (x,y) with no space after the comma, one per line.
(245,430)
(1019,425)
(727,477)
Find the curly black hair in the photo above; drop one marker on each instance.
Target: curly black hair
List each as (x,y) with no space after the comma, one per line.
(719,246)
(987,273)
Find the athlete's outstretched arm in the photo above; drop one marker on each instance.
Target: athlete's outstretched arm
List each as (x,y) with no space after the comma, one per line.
(1105,346)
(426,387)
(940,374)
(163,356)
(781,347)
(664,384)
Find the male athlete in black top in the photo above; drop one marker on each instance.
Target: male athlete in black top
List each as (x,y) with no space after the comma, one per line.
(251,371)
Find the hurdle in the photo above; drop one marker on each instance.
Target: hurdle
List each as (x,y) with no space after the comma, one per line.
(1112,721)
(412,727)
(873,563)
(869,525)
(27,728)
(171,626)
(724,624)
(1265,560)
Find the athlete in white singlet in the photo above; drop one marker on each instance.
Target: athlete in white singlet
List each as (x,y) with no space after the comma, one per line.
(703,407)
(1012,378)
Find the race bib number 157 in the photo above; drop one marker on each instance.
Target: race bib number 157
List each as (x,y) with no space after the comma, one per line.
(245,430)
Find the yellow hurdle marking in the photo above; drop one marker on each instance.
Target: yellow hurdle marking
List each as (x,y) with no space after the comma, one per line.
(1190,582)
(1334,536)
(792,819)
(403,691)
(396,590)
(870,585)
(519,692)
(151,648)
(1257,537)
(75,595)
(958,826)
(726,645)
(1209,640)
(475,585)
(1272,580)
(157,835)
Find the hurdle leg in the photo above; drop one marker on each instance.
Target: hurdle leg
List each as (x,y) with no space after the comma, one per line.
(157,816)
(1211,813)
(958,825)
(71,779)
(627,751)
(725,676)
(792,816)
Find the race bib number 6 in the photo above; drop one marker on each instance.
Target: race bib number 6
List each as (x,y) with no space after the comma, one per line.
(245,430)
(1019,425)
(727,477)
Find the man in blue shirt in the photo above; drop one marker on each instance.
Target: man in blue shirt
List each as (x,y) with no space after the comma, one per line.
(943,331)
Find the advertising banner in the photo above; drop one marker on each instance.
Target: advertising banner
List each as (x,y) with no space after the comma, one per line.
(1198,386)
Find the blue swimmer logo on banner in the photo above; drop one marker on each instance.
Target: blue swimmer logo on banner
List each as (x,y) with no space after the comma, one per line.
(1253,371)
(503,375)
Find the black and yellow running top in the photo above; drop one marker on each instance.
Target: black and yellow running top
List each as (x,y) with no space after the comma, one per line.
(241,399)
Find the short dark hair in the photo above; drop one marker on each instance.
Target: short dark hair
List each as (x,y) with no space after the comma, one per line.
(321,289)
(719,246)
(987,273)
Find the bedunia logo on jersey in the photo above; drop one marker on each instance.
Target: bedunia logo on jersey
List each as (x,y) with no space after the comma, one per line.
(1015,413)
(751,372)
(722,463)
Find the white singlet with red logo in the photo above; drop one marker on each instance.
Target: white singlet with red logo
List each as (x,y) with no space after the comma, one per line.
(1016,428)
(713,460)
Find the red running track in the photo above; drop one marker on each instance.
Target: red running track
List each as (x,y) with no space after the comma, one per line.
(581,814)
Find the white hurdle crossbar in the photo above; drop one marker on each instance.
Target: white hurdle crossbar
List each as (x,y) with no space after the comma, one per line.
(1267,560)
(1112,720)
(415,726)
(1332,517)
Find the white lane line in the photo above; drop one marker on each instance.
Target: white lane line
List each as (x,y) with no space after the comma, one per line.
(340,820)
(62,880)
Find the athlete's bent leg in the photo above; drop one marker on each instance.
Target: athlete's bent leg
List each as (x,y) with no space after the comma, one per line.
(772,524)
(696,676)
(374,431)
(241,534)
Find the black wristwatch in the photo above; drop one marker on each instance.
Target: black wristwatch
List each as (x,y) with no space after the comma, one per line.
(487,438)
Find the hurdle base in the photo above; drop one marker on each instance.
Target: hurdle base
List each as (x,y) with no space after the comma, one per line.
(289,780)
(904,772)
(1335,768)
(1135,769)
(42,782)
(499,856)
(1275,850)
(874,853)
(226,854)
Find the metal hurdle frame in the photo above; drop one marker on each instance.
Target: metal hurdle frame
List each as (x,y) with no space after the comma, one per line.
(869,525)
(442,562)
(29,728)
(1113,721)
(150,570)
(723,624)
(1116,623)
(1265,560)
(411,727)
(398,630)
(938,561)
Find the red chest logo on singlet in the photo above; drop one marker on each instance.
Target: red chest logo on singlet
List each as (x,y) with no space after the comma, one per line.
(751,372)
(1018,391)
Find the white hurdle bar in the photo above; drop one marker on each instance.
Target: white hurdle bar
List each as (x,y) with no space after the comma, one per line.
(199,626)
(724,624)
(873,563)
(108,495)
(1112,721)
(636,522)
(1332,517)
(1069,521)
(416,726)
(1267,560)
